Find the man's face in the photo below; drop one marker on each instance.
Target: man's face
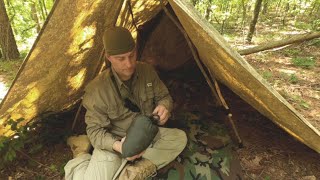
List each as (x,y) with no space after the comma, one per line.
(124,64)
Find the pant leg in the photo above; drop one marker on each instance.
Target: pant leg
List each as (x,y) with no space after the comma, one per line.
(102,165)
(167,145)
(75,168)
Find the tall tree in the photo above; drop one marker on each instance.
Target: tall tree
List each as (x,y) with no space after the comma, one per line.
(34,16)
(43,9)
(7,41)
(254,21)
(265,7)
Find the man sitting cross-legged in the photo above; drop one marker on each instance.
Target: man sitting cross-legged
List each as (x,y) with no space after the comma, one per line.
(126,92)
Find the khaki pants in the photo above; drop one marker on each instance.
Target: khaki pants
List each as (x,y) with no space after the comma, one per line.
(102,164)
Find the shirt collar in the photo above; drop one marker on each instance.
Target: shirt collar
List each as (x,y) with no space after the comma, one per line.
(119,81)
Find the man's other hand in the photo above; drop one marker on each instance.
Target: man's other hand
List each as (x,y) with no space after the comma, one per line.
(163,113)
(117,146)
(136,156)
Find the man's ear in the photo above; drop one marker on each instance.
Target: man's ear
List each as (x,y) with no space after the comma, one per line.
(107,60)
(107,57)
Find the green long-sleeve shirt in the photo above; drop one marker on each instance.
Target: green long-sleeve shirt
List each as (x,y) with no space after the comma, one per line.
(106,116)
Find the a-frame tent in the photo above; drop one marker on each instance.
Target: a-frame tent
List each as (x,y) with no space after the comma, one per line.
(67,55)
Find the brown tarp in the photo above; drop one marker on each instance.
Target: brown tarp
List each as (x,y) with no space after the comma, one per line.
(67,55)
(64,58)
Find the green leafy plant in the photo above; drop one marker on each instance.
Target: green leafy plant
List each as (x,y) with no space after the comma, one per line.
(31,137)
(292,52)
(301,102)
(315,42)
(267,178)
(53,167)
(293,79)
(267,75)
(315,25)
(304,62)
(9,145)
(304,104)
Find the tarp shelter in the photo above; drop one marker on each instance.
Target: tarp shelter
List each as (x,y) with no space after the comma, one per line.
(67,55)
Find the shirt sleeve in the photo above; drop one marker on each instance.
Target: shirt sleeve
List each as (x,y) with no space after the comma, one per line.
(162,96)
(98,123)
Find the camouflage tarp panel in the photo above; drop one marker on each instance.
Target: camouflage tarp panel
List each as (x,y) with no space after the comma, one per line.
(231,69)
(63,59)
(209,154)
(66,56)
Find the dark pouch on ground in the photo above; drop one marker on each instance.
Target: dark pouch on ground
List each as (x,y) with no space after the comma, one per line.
(139,136)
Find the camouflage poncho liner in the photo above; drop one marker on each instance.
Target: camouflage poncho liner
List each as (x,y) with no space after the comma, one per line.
(209,154)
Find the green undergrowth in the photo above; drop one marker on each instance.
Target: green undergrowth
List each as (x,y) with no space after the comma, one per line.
(301,102)
(291,52)
(293,79)
(304,62)
(32,138)
(296,99)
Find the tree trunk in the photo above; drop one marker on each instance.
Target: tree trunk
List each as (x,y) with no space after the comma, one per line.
(286,11)
(34,16)
(244,11)
(43,15)
(208,12)
(276,44)
(44,7)
(7,42)
(265,7)
(254,21)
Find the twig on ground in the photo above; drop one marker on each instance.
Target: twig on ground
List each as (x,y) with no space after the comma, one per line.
(261,173)
(26,155)
(28,171)
(249,176)
(52,177)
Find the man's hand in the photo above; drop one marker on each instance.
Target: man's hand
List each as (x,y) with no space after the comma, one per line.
(163,113)
(117,146)
(136,156)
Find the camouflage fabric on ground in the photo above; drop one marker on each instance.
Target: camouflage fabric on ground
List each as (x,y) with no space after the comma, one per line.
(209,154)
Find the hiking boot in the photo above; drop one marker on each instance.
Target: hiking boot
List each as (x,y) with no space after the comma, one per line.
(140,170)
(79,145)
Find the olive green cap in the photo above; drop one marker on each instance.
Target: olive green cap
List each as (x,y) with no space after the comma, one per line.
(118,40)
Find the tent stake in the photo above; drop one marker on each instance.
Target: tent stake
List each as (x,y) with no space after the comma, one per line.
(215,89)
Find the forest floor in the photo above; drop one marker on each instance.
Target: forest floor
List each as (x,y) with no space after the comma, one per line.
(268,152)
(293,70)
